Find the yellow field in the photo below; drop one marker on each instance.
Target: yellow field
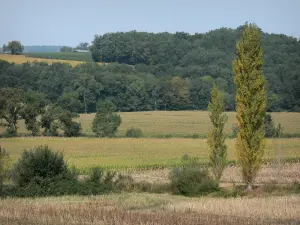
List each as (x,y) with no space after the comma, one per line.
(19,59)
(178,123)
(135,153)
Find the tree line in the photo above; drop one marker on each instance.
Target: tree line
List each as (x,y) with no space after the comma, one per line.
(203,58)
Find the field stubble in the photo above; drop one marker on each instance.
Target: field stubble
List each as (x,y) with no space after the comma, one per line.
(150,209)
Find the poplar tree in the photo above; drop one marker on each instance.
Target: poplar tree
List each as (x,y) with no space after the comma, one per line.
(251,102)
(216,137)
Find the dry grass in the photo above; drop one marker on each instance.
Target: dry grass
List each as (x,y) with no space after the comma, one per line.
(19,59)
(117,153)
(284,173)
(178,123)
(150,209)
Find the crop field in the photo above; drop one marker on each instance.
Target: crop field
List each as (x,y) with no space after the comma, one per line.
(132,208)
(76,56)
(183,123)
(141,153)
(19,59)
(177,123)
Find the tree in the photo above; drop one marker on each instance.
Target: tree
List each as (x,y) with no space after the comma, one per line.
(56,118)
(106,122)
(66,49)
(88,89)
(251,102)
(34,107)
(216,138)
(3,166)
(11,105)
(83,46)
(15,47)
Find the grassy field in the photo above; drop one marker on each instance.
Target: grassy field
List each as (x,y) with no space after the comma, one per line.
(76,56)
(149,209)
(178,123)
(19,59)
(136,153)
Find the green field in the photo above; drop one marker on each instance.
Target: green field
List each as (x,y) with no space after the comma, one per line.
(76,56)
(178,123)
(136,153)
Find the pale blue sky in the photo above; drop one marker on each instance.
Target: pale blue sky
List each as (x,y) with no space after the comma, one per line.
(68,22)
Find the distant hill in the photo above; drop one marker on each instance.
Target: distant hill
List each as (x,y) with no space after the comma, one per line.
(42,48)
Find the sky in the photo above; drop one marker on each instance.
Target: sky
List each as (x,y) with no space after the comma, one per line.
(69,22)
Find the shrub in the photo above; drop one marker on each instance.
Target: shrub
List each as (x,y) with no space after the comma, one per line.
(134,133)
(73,130)
(192,181)
(39,164)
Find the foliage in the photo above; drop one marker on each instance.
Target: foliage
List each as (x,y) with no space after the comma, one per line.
(56,118)
(39,164)
(83,46)
(251,102)
(192,181)
(66,49)
(15,47)
(134,132)
(106,122)
(216,138)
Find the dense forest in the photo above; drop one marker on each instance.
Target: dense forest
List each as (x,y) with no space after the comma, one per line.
(147,71)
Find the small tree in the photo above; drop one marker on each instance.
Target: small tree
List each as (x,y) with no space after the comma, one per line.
(39,164)
(251,102)
(15,47)
(216,138)
(106,122)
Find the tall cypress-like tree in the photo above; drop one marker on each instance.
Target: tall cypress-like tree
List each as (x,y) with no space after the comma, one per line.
(216,137)
(251,101)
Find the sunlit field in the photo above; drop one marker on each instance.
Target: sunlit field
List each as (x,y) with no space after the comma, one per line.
(178,123)
(19,59)
(136,153)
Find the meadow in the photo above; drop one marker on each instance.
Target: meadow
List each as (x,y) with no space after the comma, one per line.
(19,59)
(177,123)
(143,153)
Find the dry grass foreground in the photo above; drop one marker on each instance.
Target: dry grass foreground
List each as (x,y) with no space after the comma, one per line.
(19,59)
(150,209)
(125,152)
(178,123)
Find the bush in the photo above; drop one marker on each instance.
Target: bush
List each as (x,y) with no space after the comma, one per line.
(134,133)
(127,183)
(39,164)
(98,176)
(192,181)
(74,130)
